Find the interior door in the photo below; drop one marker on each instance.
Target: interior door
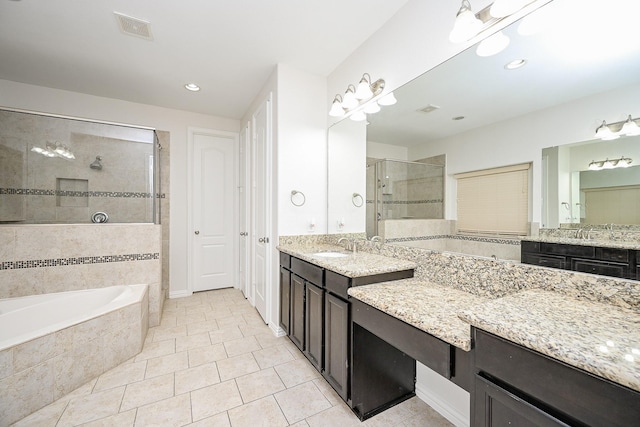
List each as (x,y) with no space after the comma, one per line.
(213,223)
(261,207)
(243,214)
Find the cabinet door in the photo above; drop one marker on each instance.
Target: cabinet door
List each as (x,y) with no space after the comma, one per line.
(285,299)
(336,344)
(296,326)
(612,269)
(496,407)
(313,325)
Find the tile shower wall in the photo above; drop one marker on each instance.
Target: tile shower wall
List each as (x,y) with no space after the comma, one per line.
(39,259)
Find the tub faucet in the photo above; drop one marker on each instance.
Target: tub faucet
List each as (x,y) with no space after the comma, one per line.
(376,239)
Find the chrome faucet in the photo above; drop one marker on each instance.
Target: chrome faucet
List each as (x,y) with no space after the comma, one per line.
(344,239)
(579,233)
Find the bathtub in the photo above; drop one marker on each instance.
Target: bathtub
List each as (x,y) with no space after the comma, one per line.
(52,344)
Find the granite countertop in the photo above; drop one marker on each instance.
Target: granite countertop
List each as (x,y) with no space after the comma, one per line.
(585,242)
(596,337)
(352,265)
(429,307)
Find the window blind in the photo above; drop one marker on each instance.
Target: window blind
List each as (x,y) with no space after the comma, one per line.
(494,201)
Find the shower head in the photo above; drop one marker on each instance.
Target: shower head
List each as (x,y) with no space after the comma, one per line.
(96,163)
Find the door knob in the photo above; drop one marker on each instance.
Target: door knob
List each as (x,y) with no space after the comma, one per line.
(197,232)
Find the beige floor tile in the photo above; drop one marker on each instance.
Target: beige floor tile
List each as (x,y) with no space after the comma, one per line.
(225,334)
(148,391)
(328,391)
(267,339)
(302,423)
(238,366)
(156,349)
(200,327)
(169,320)
(295,351)
(251,329)
(193,341)
(220,420)
(167,364)
(214,399)
(392,416)
(175,411)
(259,384)
(201,355)
(121,375)
(296,372)
(192,317)
(218,312)
(264,412)
(92,407)
(197,377)
(241,346)
(225,322)
(272,356)
(160,333)
(339,415)
(301,402)
(47,416)
(123,419)
(427,417)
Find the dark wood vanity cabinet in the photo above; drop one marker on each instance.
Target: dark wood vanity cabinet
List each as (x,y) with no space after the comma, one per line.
(296,309)
(614,262)
(314,327)
(285,297)
(336,344)
(516,386)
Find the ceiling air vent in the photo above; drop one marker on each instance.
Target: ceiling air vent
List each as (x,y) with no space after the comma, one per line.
(134,26)
(428,109)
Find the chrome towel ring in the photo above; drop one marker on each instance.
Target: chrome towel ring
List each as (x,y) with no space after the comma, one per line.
(294,193)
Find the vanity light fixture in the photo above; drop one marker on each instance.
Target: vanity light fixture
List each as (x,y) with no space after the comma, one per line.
(364,87)
(388,99)
(629,127)
(493,45)
(192,87)
(350,101)
(363,99)
(622,162)
(55,150)
(336,107)
(466,26)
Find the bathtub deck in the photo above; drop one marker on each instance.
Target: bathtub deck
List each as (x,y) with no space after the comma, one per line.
(213,361)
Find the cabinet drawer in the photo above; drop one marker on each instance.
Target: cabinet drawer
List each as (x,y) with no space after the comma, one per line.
(613,254)
(285,260)
(553,261)
(308,271)
(574,394)
(568,250)
(599,267)
(337,284)
(532,247)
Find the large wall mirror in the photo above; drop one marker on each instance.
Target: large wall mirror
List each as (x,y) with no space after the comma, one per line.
(56,170)
(582,66)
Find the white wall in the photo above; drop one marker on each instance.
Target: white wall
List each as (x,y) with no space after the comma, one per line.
(377,150)
(41,99)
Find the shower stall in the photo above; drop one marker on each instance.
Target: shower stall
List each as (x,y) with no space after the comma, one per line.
(403,190)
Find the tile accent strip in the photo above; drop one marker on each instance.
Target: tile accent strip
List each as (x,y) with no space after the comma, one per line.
(56,262)
(39,192)
(515,242)
(406,202)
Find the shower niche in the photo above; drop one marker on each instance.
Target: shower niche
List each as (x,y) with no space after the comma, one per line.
(57,170)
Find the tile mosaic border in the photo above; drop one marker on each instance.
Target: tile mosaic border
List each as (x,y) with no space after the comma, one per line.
(56,262)
(515,242)
(407,202)
(40,192)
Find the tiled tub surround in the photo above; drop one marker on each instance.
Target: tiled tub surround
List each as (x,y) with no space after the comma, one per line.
(41,370)
(40,259)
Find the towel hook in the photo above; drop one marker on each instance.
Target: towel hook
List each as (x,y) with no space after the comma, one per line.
(293,194)
(354,199)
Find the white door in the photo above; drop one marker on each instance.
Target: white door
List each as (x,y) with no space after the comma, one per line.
(213,225)
(261,206)
(243,214)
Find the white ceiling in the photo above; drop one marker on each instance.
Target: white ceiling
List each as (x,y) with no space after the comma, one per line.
(228,47)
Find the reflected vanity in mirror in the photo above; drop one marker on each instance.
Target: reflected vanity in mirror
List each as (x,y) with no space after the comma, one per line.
(478,114)
(56,170)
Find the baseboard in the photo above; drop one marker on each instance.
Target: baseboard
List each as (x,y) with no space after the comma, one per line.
(180,294)
(456,418)
(277,330)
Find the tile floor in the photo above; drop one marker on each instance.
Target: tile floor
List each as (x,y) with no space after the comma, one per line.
(213,362)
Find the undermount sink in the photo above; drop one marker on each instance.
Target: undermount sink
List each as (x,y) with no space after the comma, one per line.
(331,254)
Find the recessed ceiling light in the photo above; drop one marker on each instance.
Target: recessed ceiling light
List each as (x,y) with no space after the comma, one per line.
(192,87)
(516,63)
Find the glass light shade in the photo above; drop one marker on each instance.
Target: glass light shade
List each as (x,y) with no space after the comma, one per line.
(609,164)
(595,166)
(388,99)
(465,27)
(349,101)
(630,128)
(493,45)
(372,108)
(336,109)
(624,162)
(604,133)
(358,116)
(364,89)
(502,8)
